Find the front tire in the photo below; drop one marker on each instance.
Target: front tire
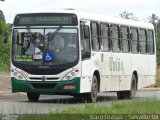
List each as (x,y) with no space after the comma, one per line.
(33,97)
(93,95)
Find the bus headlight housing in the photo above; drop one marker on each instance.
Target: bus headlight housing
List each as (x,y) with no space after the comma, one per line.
(15,74)
(69,76)
(18,75)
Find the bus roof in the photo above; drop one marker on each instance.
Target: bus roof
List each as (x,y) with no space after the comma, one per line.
(116,20)
(102,18)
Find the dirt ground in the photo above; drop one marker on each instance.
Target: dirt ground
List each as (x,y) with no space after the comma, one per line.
(5,84)
(5,88)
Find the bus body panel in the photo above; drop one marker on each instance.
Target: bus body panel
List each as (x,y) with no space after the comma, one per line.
(151,70)
(125,75)
(105,82)
(140,64)
(115,71)
(86,78)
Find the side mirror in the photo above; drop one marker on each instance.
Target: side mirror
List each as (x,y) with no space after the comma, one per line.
(5,37)
(86,31)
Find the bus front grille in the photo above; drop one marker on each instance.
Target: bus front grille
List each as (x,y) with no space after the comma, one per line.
(40,78)
(44,71)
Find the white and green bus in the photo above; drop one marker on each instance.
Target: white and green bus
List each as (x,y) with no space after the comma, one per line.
(80,54)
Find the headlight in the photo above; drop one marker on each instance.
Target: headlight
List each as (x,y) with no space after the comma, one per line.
(15,74)
(18,75)
(73,73)
(69,76)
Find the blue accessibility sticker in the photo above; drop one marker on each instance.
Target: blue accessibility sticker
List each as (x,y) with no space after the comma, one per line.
(48,57)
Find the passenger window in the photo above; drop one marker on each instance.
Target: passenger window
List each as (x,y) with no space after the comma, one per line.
(115,38)
(142,41)
(150,42)
(85,44)
(95,42)
(134,40)
(125,40)
(105,37)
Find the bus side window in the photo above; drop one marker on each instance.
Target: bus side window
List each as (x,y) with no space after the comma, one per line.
(142,41)
(150,39)
(115,38)
(105,37)
(125,39)
(94,36)
(134,40)
(85,43)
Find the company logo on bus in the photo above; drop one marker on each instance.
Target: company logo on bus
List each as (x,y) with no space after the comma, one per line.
(43,78)
(115,64)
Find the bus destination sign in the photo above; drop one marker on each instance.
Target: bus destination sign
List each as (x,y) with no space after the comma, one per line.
(42,19)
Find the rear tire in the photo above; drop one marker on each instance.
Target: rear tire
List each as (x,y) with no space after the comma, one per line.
(92,96)
(132,92)
(128,94)
(33,97)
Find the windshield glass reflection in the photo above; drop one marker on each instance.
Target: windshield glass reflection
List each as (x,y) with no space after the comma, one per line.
(45,46)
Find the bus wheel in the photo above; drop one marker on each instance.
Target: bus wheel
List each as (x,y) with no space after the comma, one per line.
(33,97)
(132,92)
(92,96)
(128,94)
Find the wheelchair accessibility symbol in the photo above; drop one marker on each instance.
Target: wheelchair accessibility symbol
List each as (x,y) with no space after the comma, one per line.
(48,57)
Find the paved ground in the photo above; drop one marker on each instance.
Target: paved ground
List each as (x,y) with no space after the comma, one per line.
(17,103)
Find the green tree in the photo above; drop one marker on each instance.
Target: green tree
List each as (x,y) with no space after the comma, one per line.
(158,42)
(154,19)
(2,30)
(127,15)
(4,48)
(2,26)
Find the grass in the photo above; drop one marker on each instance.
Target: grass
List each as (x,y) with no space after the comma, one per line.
(123,109)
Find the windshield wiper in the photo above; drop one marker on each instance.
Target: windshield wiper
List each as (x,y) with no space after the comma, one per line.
(53,35)
(29,31)
(29,46)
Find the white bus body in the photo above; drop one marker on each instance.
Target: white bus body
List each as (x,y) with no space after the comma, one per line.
(121,58)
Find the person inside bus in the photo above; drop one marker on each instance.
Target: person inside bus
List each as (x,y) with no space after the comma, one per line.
(71,49)
(72,42)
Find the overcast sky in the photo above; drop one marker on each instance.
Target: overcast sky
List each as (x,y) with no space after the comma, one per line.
(140,8)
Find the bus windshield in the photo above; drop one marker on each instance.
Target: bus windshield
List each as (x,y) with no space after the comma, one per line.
(47,46)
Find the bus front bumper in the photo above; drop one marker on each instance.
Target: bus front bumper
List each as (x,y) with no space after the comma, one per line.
(47,87)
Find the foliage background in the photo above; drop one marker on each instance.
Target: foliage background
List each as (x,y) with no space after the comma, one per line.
(4,48)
